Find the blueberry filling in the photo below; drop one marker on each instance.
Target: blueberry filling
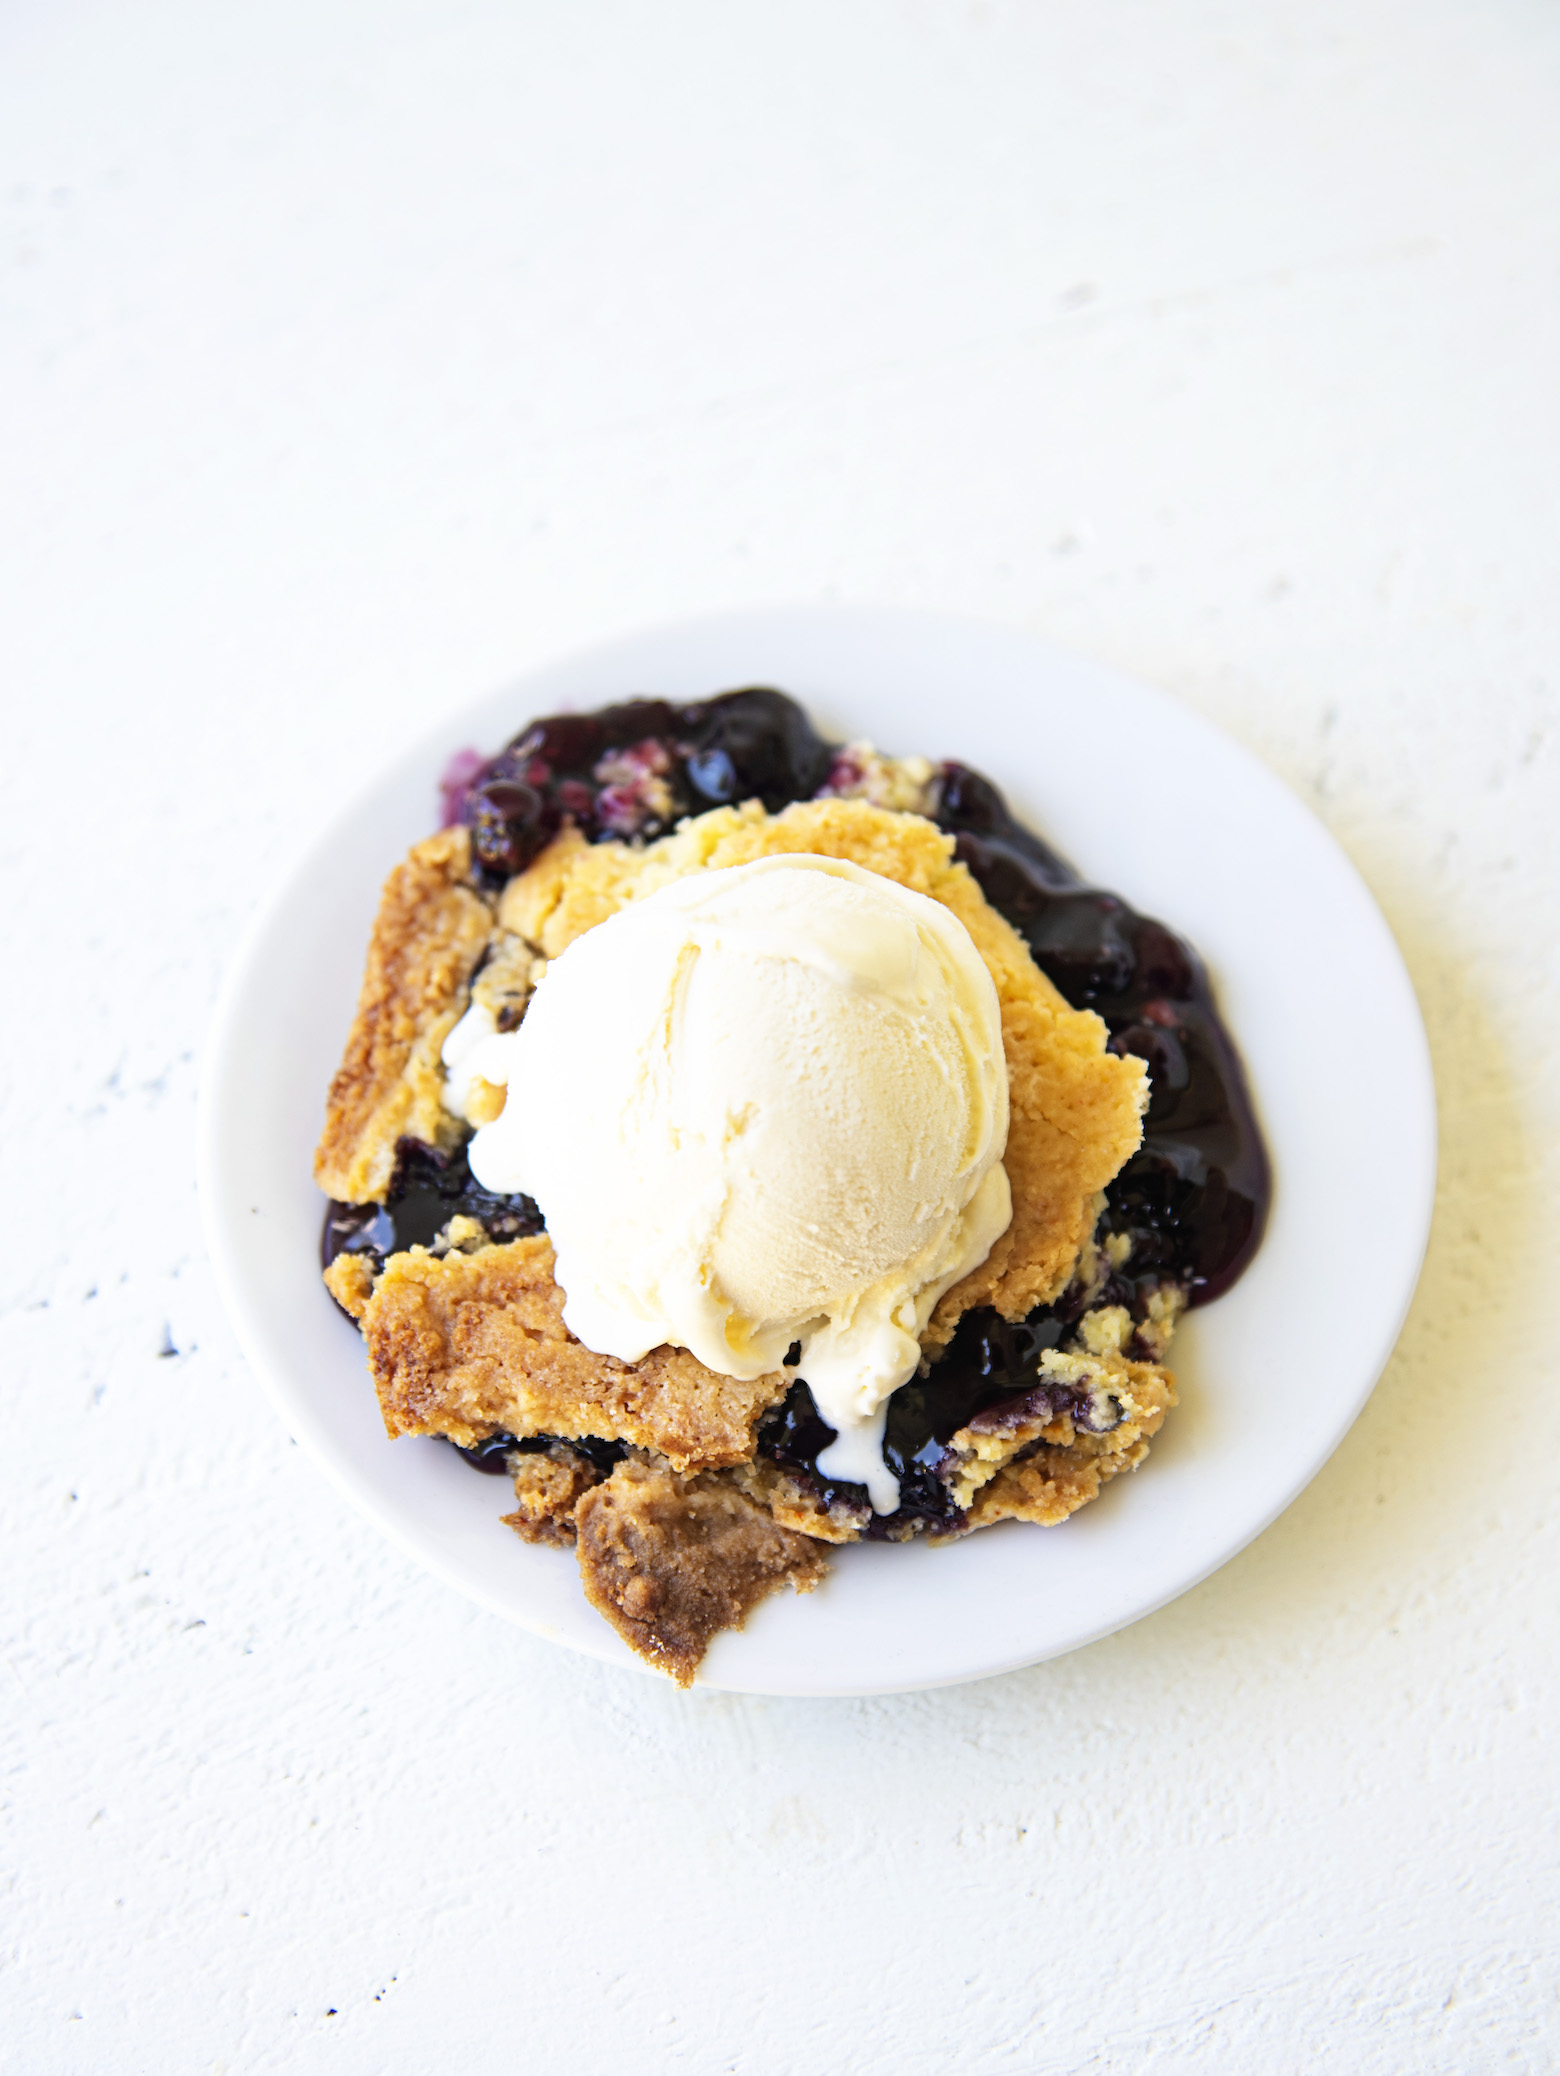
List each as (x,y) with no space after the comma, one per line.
(428,1189)
(493,1452)
(633,771)
(985,1379)
(1192,1201)
(796,1434)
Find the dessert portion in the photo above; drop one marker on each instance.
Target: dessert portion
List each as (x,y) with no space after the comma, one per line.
(741,1144)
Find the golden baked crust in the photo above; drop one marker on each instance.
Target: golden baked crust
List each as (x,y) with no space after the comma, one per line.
(671,1560)
(431,929)
(1046,1486)
(472,1345)
(350,1281)
(1050,1483)
(1075,1110)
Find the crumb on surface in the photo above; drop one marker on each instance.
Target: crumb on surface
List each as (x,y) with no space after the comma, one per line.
(485,1101)
(462,1233)
(431,929)
(909,785)
(350,1281)
(670,1561)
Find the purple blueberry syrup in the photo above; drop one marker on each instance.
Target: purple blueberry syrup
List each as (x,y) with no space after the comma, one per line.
(428,1189)
(1192,1200)
(491,1455)
(632,771)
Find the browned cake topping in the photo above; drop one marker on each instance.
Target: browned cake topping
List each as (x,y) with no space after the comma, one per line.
(350,1281)
(471,1345)
(796,1502)
(671,1560)
(1030,1462)
(431,929)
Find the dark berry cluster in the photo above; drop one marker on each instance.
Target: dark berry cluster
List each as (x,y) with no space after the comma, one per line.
(634,770)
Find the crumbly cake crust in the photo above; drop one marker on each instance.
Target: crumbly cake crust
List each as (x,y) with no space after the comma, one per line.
(473,1345)
(432,928)
(669,1561)
(1129,1401)
(795,1502)
(350,1281)
(507,976)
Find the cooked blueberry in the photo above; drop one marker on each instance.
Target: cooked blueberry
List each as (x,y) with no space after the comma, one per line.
(712,773)
(754,745)
(509,823)
(1161,1050)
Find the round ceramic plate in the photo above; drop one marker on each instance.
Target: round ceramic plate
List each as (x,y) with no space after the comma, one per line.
(1144,797)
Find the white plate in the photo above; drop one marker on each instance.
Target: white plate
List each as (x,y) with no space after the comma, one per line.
(1142,796)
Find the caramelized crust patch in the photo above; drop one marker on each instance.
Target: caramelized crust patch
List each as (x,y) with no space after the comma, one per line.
(669,1561)
(431,929)
(471,1345)
(1075,1110)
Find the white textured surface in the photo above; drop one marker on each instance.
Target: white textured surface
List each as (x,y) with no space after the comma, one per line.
(355,356)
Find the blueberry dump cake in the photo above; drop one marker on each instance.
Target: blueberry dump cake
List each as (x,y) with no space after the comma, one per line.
(747,1143)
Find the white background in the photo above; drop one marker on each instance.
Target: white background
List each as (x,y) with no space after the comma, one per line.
(357,357)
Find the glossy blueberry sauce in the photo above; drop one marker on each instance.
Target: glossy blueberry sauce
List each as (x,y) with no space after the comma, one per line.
(1192,1200)
(428,1189)
(492,1453)
(633,771)
(986,1376)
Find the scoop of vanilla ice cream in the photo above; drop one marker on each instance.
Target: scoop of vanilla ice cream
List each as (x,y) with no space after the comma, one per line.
(761,1106)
